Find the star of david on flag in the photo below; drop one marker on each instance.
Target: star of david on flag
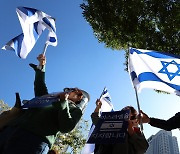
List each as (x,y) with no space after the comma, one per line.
(33,23)
(156,70)
(170,73)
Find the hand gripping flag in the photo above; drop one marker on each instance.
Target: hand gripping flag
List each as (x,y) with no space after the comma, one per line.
(33,23)
(107,106)
(156,70)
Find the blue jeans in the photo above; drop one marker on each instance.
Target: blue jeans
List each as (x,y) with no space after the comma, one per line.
(19,141)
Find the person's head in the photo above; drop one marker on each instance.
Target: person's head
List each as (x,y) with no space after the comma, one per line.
(132,109)
(76,95)
(133,114)
(42,59)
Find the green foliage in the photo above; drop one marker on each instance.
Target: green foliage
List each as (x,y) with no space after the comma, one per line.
(3,106)
(75,140)
(145,24)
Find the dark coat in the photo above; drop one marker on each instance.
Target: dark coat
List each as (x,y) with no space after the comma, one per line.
(48,121)
(135,144)
(172,123)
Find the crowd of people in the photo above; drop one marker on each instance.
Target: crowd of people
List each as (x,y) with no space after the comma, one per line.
(32,128)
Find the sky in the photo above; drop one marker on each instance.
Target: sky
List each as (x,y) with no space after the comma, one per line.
(78,60)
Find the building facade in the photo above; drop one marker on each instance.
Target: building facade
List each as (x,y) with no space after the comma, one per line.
(163,143)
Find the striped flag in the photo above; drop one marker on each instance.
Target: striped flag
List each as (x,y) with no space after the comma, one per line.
(33,23)
(156,70)
(107,106)
(106,101)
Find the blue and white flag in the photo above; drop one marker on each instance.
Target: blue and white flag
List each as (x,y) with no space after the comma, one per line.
(106,107)
(156,70)
(106,101)
(33,23)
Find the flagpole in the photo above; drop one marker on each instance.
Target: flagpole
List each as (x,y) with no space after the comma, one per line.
(137,99)
(102,93)
(138,105)
(45,48)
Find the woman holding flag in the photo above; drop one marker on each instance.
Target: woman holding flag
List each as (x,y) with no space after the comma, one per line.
(35,128)
(135,142)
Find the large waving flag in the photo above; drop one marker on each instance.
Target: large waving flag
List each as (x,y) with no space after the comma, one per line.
(156,70)
(33,23)
(107,106)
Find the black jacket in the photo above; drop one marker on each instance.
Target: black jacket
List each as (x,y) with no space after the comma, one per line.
(172,123)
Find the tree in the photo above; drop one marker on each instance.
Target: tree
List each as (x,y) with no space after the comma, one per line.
(75,140)
(3,106)
(146,24)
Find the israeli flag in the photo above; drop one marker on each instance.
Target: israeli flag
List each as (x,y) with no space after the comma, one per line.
(107,106)
(33,23)
(156,70)
(106,101)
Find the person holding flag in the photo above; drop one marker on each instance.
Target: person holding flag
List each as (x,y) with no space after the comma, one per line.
(106,106)
(135,142)
(170,124)
(40,119)
(159,71)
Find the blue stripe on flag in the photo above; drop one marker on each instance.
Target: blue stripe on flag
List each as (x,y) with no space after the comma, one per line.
(52,39)
(148,76)
(28,11)
(49,23)
(155,54)
(35,31)
(17,43)
(107,98)
(133,75)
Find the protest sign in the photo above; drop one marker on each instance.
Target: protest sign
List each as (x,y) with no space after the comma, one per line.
(111,128)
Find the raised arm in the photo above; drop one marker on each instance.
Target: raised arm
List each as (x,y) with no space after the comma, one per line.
(39,82)
(172,123)
(95,114)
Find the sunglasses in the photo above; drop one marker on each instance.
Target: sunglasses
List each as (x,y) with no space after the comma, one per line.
(133,117)
(78,92)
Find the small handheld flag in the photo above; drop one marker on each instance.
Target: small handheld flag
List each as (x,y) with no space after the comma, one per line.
(105,98)
(107,106)
(33,23)
(156,70)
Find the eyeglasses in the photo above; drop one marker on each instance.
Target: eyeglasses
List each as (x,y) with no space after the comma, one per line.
(133,117)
